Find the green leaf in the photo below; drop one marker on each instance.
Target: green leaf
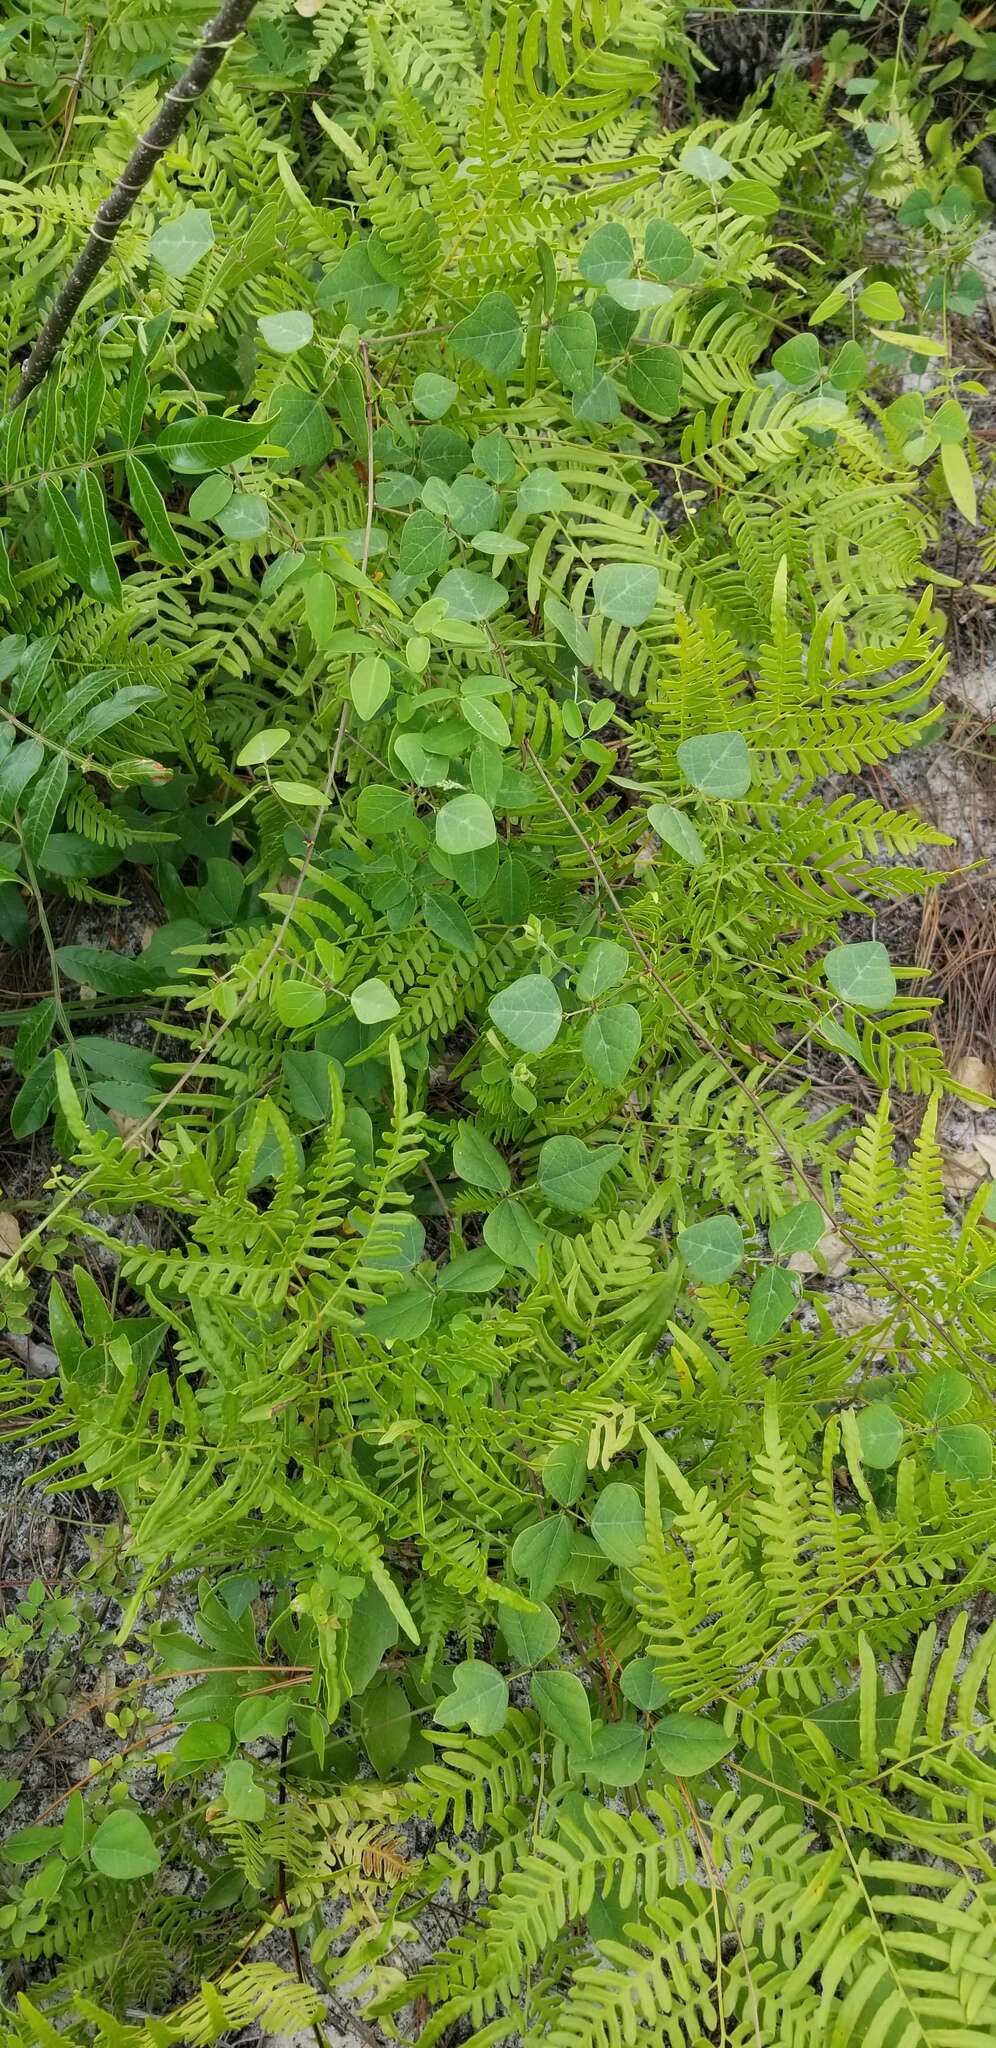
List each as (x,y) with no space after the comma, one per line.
(959,480)
(637,294)
(179,244)
(299,424)
(529,1012)
(65,530)
(285,333)
(245,517)
(262,746)
(798,1230)
(618,1524)
(687,1744)
(298,1003)
(712,1250)
(772,1298)
(478,1701)
(470,596)
(309,1084)
(542,491)
(880,301)
(464,825)
(530,1637)
(105,581)
(150,505)
(944,1393)
(425,545)
(572,630)
(571,345)
(540,1554)
(443,915)
(610,1042)
(667,252)
(514,1237)
(964,1451)
(798,360)
(880,1435)
(40,814)
(653,380)
(486,719)
(123,1848)
(705,164)
(478,1161)
(618,1754)
(608,253)
(598,404)
(605,965)
(717,763)
(640,1685)
(202,441)
(490,336)
(370,685)
(244,1796)
(476,1272)
(570,1173)
(626,591)
(207,498)
(562,1705)
(565,1473)
(433,395)
(677,831)
(373,1002)
(861,974)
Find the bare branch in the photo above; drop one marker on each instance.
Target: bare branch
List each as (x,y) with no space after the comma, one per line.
(219,35)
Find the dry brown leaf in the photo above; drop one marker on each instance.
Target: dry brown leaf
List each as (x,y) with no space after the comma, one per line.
(10,1233)
(961,1171)
(973,1073)
(831,1257)
(986,1148)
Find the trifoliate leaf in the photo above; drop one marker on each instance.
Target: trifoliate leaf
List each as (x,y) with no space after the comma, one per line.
(618,1524)
(880,1434)
(772,1298)
(286,332)
(179,244)
(541,1553)
(626,591)
(570,1173)
(687,1744)
(798,1230)
(677,831)
(607,254)
(653,380)
(605,965)
(373,1002)
(964,1451)
(490,336)
(798,360)
(562,1705)
(542,491)
(123,1848)
(861,974)
(470,596)
(529,1012)
(478,1161)
(944,1393)
(464,825)
(717,763)
(705,164)
(618,1754)
(513,1235)
(610,1042)
(666,251)
(478,1701)
(712,1250)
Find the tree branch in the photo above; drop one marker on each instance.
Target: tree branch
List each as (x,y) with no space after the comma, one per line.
(219,35)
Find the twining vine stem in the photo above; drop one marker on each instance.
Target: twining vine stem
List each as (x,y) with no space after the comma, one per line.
(221,32)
